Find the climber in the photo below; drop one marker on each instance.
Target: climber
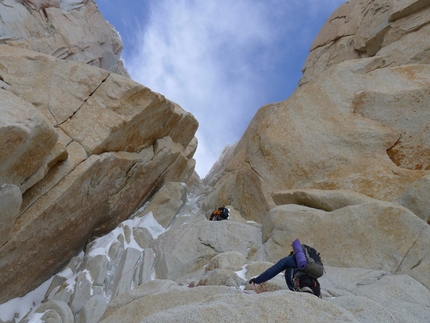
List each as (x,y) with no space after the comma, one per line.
(296,279)
(222,213)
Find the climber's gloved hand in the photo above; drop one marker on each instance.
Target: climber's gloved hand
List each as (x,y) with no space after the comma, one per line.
(251,281)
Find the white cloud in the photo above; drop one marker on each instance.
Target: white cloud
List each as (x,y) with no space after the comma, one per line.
(217,59)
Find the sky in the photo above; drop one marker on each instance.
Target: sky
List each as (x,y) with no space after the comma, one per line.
(220,60)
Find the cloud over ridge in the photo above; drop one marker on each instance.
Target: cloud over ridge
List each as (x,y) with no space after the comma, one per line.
(222,60)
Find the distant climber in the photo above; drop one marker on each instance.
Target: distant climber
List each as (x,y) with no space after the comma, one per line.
(302,268)
(222,213)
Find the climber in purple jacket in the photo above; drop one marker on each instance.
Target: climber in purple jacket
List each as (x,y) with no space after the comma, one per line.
(288,264)
(296,280)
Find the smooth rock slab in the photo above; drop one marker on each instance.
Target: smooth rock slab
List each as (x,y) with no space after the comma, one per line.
(26,138)
(93,310)
(10,202)
(125,272)
(416,198)
(82,292)
(224,304)
(167,202)
(376,296)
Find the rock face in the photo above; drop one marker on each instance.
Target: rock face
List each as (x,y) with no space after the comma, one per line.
(215,303)
(168,202)
(86,148)
(11,198)
(98,198)
(396,32)
(67,29)
(358,121)
(27,139)
(416,199)
(401,237)
(195,268)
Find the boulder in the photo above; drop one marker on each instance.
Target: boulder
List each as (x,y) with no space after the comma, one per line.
(93,310)
(97,268)
(230,260)
(82,292)
(167,202)
(221,277)
(143,237)
(415,198)
(184,251)
(55,311)
(123,115)
(375,235)
(145,268)
(26,139)
(124,273)
(223,270)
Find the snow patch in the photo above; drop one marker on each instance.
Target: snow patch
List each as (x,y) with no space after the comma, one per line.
(101,245)
(242,274)
(149,222)
(19,307)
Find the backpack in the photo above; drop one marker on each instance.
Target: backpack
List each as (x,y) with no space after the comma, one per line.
(221,213)
(225,213)
(314,267)
(308,259)
(215,215)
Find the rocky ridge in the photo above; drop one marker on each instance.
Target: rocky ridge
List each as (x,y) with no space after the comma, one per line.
(342,165)
(85,148)
(358,120)
(68,29)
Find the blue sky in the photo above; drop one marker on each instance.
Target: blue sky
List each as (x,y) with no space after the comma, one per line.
(221,60)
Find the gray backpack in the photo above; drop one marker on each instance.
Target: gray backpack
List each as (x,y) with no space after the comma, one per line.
(314,267)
